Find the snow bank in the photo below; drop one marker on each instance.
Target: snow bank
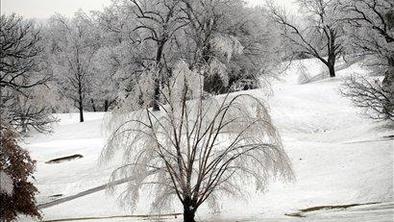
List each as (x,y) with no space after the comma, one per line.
(339,157)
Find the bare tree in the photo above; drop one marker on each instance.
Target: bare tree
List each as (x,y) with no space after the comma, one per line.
(121,58)
(23,73)
(209,41)
(238,39)
(159,20)
(74,44)
(195,149)
(223,39)
(320,37)
(370,28)
(370,95)
(19,51)
(372,34)
(28,110)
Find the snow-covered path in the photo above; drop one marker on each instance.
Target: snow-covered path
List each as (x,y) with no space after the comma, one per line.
(325,138)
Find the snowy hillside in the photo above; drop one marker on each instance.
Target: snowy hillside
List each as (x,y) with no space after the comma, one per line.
(339,158)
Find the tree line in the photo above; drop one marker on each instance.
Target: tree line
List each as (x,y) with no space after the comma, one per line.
(93,61)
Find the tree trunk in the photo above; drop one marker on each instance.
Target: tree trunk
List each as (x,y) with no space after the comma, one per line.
(106,106)
(156,98)
(388,81)
(331,64)
(391,60)
(81,112)
(331,69)
(189,209)
(80,102)
(93,105)
(188,214)
(159,54)
(24,125)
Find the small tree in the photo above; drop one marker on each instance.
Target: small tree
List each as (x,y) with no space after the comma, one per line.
(16,167)
(371,95)
(29,110)
(320,37)
(196,149)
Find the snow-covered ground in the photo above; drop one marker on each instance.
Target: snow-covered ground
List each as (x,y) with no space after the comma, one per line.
(339,158)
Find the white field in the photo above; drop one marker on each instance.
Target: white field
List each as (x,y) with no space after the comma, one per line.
(339,157)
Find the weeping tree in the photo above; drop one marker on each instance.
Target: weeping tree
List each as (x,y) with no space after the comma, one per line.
(195,149)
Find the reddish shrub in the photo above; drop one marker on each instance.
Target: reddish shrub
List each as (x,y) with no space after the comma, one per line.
(17,164)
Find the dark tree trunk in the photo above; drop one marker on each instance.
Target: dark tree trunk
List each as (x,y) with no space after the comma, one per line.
(189,210)
(331,64)
(391,61)
(331,69)
(93,105)
(188,214)
(80,102)
(81,112)
(388,81)
(23,124)
(106,105)
(156,96)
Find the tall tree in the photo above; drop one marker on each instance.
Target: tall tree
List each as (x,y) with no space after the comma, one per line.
(74,43)
(211,41)
(159,20)
(320,37)
(122,58)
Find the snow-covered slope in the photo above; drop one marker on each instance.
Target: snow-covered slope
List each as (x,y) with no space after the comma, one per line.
(339,157)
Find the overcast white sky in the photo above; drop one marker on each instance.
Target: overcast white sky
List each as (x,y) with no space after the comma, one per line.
(46,8)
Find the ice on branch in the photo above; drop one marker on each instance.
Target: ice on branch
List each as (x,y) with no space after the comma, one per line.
(185,79)
(227,45)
